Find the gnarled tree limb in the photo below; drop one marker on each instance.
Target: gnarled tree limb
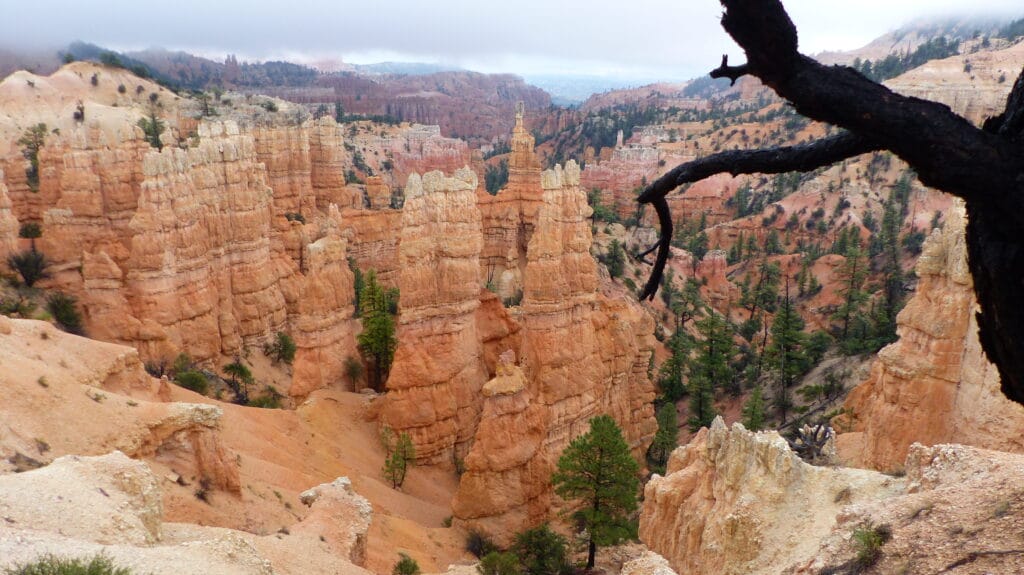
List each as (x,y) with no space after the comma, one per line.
(804,157)
(985,167)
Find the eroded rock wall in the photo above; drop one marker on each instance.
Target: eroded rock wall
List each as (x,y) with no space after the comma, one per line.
(934,385)
(734,502)
(438,368)
(563,385)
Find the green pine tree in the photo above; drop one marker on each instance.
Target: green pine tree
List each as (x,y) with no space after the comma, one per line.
(597,476)
(786,353)
(754,417)
(670,374)
(401,455)
(377,341)
(665,439)
(851,275)
(616,259)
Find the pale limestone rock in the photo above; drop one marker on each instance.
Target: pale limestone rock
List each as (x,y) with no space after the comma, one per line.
(736,502)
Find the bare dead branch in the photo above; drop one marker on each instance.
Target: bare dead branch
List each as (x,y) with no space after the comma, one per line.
(733,73)
(803,157)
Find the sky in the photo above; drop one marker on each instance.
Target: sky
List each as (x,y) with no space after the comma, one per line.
(670,39)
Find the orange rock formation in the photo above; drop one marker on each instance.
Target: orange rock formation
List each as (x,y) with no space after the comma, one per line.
(934,385)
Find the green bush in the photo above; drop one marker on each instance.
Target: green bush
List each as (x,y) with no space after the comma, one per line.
(30,265)
(64,309)
(479,545)
(271,399)
(868,542)
(283,348)
(497,563)
(541,551)
(406,566)
(50,565)
(192,380)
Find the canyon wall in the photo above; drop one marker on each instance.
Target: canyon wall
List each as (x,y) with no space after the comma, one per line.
(934,385)
(438,370)
(535,408)
(209,249)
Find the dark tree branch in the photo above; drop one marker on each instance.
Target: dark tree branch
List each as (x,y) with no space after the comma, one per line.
(985,166)
(804,157)
(733,73)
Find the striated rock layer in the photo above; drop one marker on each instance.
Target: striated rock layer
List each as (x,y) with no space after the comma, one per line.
(934,385)
(438,369)
(537,408)
(208,250)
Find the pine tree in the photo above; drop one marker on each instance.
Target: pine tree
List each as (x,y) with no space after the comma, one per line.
(754,412)
(32,142)
(597,476)
(665,439)
(786,354)
(401,455)
(377,341)
(851,276)
(152,126)
(670,375)
(616,259)
(711,368)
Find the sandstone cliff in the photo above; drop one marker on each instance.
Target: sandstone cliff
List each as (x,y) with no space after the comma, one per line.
(549,399)
(934,385)
(438,370)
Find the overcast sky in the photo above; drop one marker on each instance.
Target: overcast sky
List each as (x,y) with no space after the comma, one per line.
(641,38)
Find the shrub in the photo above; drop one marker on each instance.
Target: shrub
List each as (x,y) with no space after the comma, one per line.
(64,309)
(30,230)
(541,551)
(152,127)
(479,545)
(868,542)
(401,455)
(406,566)
(497,563)
(192,380)
(271,399)
(283,348)
(354,370)
(30,265)
(51,565)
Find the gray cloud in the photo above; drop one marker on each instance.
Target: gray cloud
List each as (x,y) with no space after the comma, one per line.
(675,38)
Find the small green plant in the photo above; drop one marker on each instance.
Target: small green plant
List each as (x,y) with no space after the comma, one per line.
(401,455)
(867,542)
(479,545)
(282,349)
(30,265)
(192,380)
(269,105)
(406,566)
(271,399)
(354,371)
(541,551)
(152,126)
(239,380)
(498,563)
(52,565)
(447,521)
(31,142)
(64,309)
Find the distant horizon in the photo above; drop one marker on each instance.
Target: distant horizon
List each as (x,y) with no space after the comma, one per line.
(531,38)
